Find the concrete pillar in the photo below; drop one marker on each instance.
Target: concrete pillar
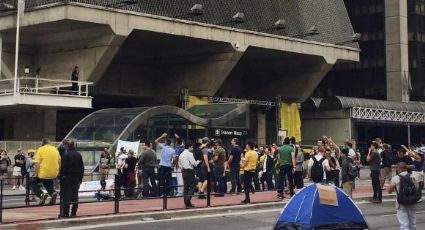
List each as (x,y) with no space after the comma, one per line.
(396,47)
(261,128)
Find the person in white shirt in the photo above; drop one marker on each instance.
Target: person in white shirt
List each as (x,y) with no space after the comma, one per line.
(325,164)
(406,214)
(187,162)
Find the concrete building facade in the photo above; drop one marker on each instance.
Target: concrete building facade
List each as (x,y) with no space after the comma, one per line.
(147,52)
(390,70)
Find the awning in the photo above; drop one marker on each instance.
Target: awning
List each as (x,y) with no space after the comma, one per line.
(370,109)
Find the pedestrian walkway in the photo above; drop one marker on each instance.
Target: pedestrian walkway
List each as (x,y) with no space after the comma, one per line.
(148,205)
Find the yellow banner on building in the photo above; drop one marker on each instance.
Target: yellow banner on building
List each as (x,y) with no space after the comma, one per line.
(195,100)
(290,120)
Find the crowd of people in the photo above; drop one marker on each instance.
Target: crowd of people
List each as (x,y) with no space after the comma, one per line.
(192,169)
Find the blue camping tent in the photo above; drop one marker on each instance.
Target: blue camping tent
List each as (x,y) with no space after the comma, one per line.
(305,212)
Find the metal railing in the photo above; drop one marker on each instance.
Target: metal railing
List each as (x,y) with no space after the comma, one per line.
(43,86)
(163,192)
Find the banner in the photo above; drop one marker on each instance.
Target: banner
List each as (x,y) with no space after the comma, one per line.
(127,145)
(89,188)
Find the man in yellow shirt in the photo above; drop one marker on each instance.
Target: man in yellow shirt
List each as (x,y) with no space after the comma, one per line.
(250,164)
(47,165)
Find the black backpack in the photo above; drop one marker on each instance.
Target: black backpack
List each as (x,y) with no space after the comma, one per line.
(317,173)
(408,192)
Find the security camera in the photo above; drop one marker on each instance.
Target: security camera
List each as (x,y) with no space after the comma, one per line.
(236,45)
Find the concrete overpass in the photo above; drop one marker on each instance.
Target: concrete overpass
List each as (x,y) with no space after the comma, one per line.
(139,52)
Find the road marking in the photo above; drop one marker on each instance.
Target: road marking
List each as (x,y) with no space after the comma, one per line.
(395,214)
(150,220)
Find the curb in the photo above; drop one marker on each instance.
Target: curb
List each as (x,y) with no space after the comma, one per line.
(158,215)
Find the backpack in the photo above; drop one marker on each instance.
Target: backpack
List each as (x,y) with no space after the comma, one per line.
(352,170)
(317,173)
(408,193)
(198,154)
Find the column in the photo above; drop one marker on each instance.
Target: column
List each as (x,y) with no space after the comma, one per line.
(261,128)
(396,47)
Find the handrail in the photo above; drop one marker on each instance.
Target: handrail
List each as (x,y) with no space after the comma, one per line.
(45,86)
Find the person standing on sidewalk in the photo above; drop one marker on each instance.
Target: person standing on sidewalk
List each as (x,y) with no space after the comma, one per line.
(4,165)
(234,165)
(147,163)
(374,160)
(287,166)
(47,166)
(387,158)
(267,169)
(348,172)
(405,185)
(249,165)
(187,162)
(29,166)
(219,160)
(167,155)
(71,174)
(129,173)
(19,171)
(104,164)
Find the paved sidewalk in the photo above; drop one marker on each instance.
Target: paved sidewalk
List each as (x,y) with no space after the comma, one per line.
(34,213)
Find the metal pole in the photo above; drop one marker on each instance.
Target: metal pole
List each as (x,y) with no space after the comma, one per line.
(27,192)
(18,17)
(408,135)
(116,199)
(1,200)
(209,189)
(1,51)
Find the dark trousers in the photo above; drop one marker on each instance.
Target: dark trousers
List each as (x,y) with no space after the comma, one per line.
(130,184)
(235,180)
(165,180)
(46,183)
(70,185)
(267,177)
(376,184)
(256,181)
(119,182)
(298,179)
(286,171)
(149,175)
(188,185)
(336,177)
(218,174)
(248,176)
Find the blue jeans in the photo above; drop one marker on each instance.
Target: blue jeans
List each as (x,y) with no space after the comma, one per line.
(235,180)
(218,174)
(406,215)
(149,175)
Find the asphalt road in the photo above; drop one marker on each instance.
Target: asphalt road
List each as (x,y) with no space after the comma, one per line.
(379,217)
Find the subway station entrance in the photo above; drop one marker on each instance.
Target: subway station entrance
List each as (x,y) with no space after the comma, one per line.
(104,128)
